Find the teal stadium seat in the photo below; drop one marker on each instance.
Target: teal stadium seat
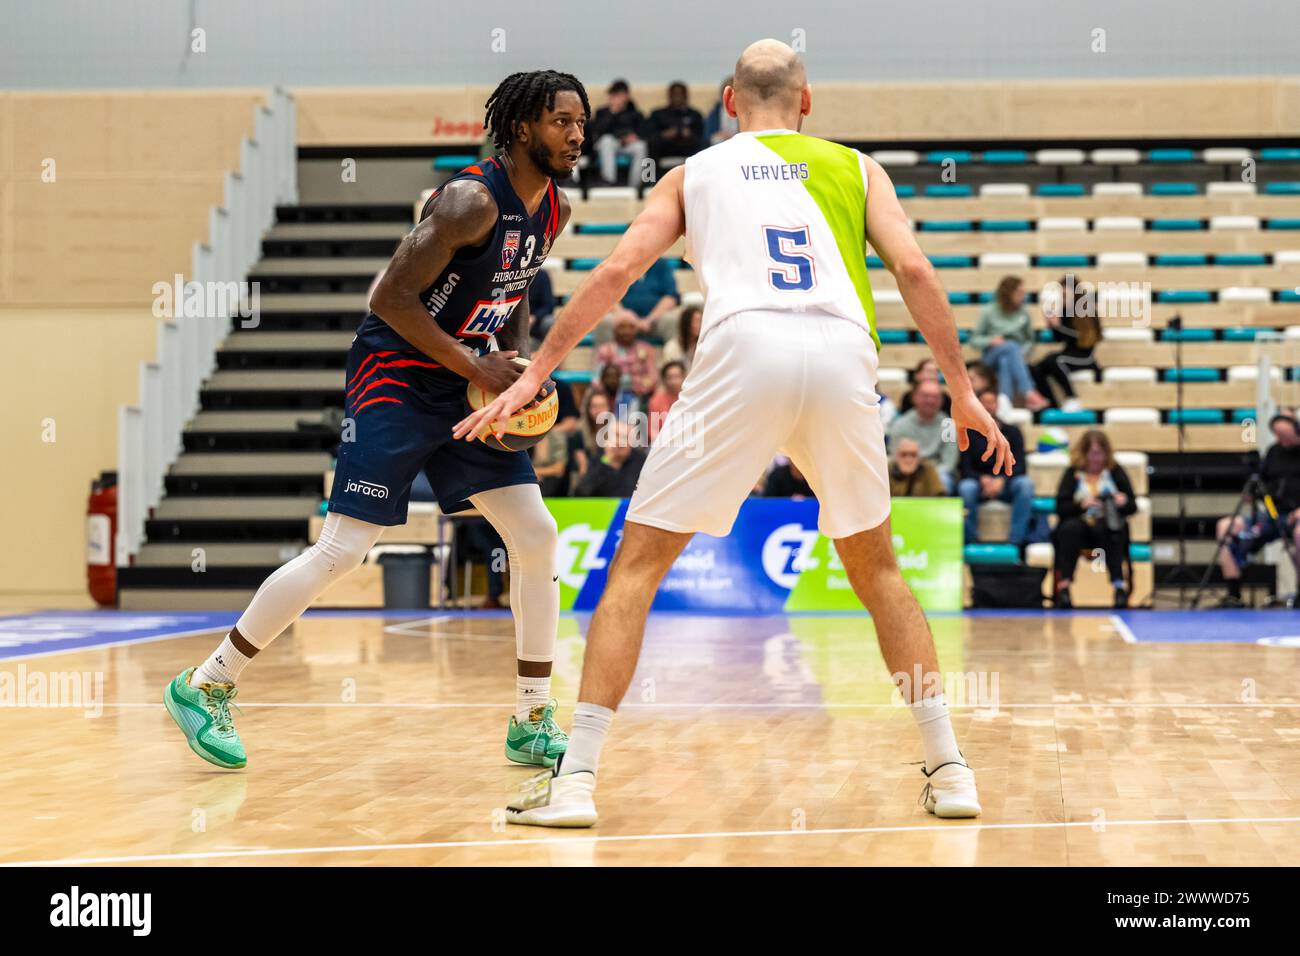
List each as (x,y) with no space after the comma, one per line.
(875,262)
(952,262)
(1288,295)
(1190,374)
(1243,334)
(1059,261)
(454,163)
(959,298)
(947,225)
(1187,335)
(1280,154)
(571,376)
(1062,189)
(894,336)
(1181,259)
(936,157)
(602,228)
(1184,296)
(1195,416)
(949,191)
(991,554)
(1057,416)
(1044,505)
(1282,224)
(1241,259)
(1242,415)
(1282,189)
(1005,157)
(1174,189)
(583,265)
(1005,225)
(1177,225)
(1171,155)
(1139,551)
(905,191)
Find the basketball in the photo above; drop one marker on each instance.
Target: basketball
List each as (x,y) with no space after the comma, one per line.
(527,426)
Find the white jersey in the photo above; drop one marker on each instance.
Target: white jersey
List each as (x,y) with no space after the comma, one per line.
(776,222)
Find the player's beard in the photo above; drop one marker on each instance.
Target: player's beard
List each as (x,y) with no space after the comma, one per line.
(541,158)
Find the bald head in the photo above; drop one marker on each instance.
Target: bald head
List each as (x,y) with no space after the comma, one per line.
(769,73)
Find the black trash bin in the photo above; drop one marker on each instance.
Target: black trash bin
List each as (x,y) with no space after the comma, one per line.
(406,576)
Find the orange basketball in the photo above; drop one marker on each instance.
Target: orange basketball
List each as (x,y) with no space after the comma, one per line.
(527,425)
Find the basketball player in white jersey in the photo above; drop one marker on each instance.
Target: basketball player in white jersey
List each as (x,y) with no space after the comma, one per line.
(776,226)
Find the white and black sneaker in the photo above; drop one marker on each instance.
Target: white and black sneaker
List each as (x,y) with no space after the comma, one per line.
(950,791)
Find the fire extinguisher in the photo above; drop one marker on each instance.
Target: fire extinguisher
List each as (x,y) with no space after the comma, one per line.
(101,538)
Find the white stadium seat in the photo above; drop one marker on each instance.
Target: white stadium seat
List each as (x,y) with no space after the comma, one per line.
(603,193)
(1128,373)
(1119,333)
(1250,373)
(1225,154)
(891,374)
(1022,418)
(1292,332)
(1131,416)
(1107,259)
(1062,224)
(1115,156)
(1239,293)
(1118,224)
(1117,189)
(693,298)
(1286,257)
(1040,554)
(1230,189)
(1004,260)
(1234,222)
(1133,462)
(1081,377)
(1004,190)
(1059,157)
(891,296)
(896,157)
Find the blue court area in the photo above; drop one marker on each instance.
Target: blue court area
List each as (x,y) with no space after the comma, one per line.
(54,632)
(1278,628)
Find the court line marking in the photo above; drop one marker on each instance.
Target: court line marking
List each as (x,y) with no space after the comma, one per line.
(710,705)
(87,648)
(1123,628)
(639,837)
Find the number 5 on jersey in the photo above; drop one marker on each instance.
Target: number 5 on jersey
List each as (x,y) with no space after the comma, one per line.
(794,272)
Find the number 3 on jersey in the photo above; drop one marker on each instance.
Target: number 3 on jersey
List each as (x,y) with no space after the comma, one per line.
(795,271)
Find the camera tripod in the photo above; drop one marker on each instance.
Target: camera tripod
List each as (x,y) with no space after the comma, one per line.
(1254,490)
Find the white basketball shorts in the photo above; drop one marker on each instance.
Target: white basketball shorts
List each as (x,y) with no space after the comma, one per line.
(763,383)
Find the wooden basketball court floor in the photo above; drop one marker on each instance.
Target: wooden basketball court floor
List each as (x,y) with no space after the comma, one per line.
(744,740)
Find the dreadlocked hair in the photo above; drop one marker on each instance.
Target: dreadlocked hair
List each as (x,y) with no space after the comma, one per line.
(521,97)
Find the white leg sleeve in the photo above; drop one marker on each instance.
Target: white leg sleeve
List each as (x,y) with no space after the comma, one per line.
(528,530)
(343,545)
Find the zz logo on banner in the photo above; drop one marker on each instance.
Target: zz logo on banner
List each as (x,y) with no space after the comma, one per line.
(487,316)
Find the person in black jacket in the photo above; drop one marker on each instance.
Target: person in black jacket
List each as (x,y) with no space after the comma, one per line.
(676,129)
(1280,472)
(1071,316)
(1093,505)
(978,484)
(618,128)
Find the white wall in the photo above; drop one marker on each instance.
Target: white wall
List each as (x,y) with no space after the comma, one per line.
(146,43)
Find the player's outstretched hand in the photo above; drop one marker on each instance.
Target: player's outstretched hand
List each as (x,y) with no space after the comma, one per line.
(523,391)
(969,414)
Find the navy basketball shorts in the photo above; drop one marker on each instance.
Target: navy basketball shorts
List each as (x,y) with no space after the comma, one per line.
(400,418)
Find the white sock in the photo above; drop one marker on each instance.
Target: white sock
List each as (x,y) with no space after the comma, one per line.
(223,666)
(590,725)
(530,692)
(937,738)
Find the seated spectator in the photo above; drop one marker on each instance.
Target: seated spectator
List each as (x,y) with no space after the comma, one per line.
(1093,504)
(1003,333)
(910,476)
(927,370)
(1280,472)
(926,424)
(681,346)
(676,129)
(541,305)
(982,377)
(785,480)
(616,130)
(978,483)
(634,359)
(615,472)
(597,413)
(718,125)
(653,299)
(671,377)
(1071,315)
(553,457)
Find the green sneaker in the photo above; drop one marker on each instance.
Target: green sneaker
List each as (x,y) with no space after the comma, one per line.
(203,714)
(538,741)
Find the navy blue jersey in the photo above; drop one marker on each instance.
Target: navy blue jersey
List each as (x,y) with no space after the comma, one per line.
(479,289)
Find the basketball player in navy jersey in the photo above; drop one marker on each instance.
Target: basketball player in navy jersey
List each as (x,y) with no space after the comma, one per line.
(457,284)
